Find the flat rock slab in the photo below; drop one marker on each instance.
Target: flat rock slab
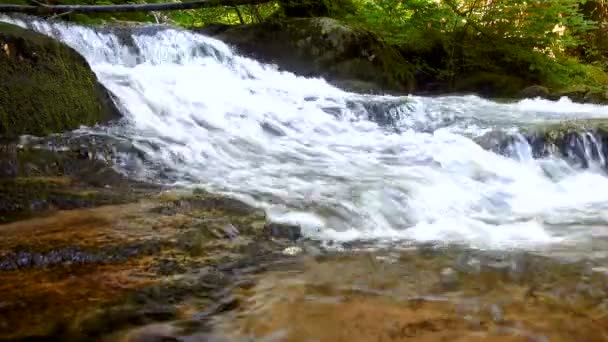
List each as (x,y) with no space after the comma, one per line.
(161,251)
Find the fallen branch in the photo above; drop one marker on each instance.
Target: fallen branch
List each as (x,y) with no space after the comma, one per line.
(173,6)
(55,16)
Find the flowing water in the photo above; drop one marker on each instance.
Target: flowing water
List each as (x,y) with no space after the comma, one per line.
(346,167)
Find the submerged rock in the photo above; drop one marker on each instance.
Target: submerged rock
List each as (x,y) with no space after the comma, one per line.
(322,47)
(582,142)
(290,232)
(534,91)
(597,97)
(46,86)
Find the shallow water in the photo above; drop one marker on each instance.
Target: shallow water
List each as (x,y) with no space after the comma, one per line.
(422,295)
(415,294)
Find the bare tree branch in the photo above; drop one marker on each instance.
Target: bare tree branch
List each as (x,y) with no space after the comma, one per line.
(173,6)
(238,12)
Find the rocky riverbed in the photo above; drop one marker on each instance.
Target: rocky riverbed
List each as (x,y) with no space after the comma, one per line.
(84,273)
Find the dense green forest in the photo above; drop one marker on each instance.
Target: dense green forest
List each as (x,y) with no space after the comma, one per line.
(561,44)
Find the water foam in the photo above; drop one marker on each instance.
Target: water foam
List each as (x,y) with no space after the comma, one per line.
(309,153)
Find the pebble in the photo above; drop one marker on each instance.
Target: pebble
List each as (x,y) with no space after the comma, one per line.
(290,232)
(600,270)
(292,251)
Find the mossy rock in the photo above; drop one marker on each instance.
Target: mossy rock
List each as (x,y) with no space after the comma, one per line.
(35,180)
(46,86)
(534,91)
(555,132)
(324,47)
(576,140)
(490,85)
(597,97)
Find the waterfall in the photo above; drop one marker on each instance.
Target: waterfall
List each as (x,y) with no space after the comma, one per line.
(342,165)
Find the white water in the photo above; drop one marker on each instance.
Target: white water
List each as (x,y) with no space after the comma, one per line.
(306,151)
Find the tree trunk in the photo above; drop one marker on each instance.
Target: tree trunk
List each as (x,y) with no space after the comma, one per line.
(238,12)
(173,6)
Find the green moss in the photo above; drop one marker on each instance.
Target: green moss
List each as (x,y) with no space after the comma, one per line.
(490,84)
(554,134)
(45,86)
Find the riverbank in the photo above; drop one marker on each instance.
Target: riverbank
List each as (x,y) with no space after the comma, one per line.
(357,59)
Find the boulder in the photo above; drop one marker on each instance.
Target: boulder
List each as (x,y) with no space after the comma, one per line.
(346,56)
(489,84)
(291,232)
(575,93)
(46,86)
(597,97)
(580,142)
(534,91)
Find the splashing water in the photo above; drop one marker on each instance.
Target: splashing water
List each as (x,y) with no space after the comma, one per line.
(342,165)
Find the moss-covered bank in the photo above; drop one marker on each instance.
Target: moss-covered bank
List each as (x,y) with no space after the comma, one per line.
(350,57)
(46,86)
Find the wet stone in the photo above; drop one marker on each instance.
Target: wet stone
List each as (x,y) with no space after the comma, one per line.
(226,231)
(448,279)
(169,267)
(292,251)
(75,255)
(284,231)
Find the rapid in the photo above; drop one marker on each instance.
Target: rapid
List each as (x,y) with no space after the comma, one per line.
(344,166)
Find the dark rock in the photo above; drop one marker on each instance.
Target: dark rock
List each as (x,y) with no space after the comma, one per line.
(358,86)
(284,231)
(46,86)
(597,97)
(384,112)
(169,267)
(576,94)
(534,91)
(496,141)
(63,172)
(75,255)
(214,29)
(489,84)
(578,141)
(322,47)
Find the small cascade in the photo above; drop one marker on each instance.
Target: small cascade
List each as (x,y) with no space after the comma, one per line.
(581,149)
(519,148)
(584,150)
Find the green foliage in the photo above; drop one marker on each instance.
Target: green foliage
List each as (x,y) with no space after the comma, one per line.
(317,8)
(451,38)
(539,41)
(224,15)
